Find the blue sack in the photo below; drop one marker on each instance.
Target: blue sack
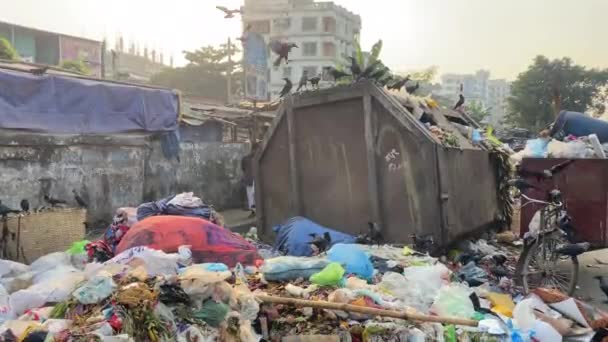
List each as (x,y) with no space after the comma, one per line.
(294,236)
(355,260)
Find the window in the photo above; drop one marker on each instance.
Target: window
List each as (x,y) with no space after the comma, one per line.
(309,49)
(309,24)
(329,25)
(260,26)
(329,49)
(281,24)
(311,71)
(287,72)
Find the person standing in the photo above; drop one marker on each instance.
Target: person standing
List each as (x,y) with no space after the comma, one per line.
(247,167)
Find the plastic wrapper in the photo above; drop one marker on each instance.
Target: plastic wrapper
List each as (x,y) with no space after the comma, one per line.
(523,315)
(27,299)
(12,269)
(50,261)
(288,268)
(95,290)
(331,275)
(156,262)
(418,286)
(453,300)
(355,260)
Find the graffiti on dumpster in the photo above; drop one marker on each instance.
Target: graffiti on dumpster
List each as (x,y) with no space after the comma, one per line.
(394,164)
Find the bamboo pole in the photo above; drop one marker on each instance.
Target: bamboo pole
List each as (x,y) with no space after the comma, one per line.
(366,310)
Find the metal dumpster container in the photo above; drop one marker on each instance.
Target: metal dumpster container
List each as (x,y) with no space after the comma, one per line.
(584,187)
(347,156)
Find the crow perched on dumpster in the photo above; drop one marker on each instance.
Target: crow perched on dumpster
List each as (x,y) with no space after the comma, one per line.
(81,202)
(303,81)
(314,81)
(603,285)
(354,67)
(53,201)
(337,74)
(399,83)
(25,206)
(412,89)
(320,243)
(4,210)
(287,88)
(460,102)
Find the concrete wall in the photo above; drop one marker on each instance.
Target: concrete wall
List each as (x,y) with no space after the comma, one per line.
(110,172)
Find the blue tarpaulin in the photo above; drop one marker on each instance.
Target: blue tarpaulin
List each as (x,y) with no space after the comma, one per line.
(294,236)
(63,104)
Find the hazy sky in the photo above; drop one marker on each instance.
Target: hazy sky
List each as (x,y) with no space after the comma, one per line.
(456,35)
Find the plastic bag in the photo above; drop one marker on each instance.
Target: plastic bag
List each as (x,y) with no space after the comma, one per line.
(524,317)
(536,148)
(453,300)
(418,286)
(27,299)
(50,261)
(156,262)
(6,311)
(56,285)
(331,275)
(17,283)
(571,149)
(185,255)
(290,268)
(473,274)
(212,313)
(356,261)
(95,290)
(10,268)
(186,200)
(54,326)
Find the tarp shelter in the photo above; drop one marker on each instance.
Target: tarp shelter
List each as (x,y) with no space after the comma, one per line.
(58,103)
(346,156)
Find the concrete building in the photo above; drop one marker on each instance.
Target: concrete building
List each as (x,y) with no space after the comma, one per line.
(43,47)
(478,87)
(324,32)
(127,66)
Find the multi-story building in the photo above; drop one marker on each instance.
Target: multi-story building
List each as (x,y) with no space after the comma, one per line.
(478,87)
(38,46)
(324,32)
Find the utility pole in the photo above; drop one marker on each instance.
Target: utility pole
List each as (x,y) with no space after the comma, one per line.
(229,72)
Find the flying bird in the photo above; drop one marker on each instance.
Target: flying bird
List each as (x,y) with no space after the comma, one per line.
(25,206)
(287,88)
(460,102)
(53,201)
(412,89)
(603,284)
(314,81)
(354,67)
(282,49)
(303,81)
(337,74)
(229,13)
(81,202)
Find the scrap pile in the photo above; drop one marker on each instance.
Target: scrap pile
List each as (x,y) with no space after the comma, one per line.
(346,291)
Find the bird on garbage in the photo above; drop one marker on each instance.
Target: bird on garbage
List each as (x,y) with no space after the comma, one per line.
(412,89)
(282,49)
(574,249)
(603,284)
(229,13)
(53,201)
(25,206)
(465,258)
(375,233)
(354,67)
(499,271)
(399,83)
(499,259)
(303,81)
(460,102)
(423,243)
(40,71)
(4,210)
(81,202)
(287,88)
(314,81)
(337,74)
(321,243)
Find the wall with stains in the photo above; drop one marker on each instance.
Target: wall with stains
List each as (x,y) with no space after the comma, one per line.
(110,172)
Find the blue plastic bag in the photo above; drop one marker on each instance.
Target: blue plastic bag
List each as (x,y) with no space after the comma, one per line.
(294,236)
(355,260)
(537,148)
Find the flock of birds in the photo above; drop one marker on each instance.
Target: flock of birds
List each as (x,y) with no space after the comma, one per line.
(53,202)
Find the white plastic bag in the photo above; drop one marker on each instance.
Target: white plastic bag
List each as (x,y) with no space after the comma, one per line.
(571,149)
(6,311)
(50,261)
(453,300)
(419,285)
(27,299)
(523,315)
(156,262)
(186,200)
(10,268)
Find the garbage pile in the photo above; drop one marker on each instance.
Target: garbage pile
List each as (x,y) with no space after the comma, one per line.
(341,290)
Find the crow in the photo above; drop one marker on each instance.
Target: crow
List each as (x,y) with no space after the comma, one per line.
(460,102)
(25,206)
(574,249)
(4,210)
(412,89)
(321,243)
(375,233)
(282,49)
(53,201)
(354,67)
(287,88)
(337,74)
(314,81)
(40,71)
(399,83)
(603,284)
(303,81)
(81,202)
(423,243)
(499,259)
(229,13)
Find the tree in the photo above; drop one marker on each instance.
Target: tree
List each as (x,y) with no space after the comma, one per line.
(477,111)
(548,86)
(7,51)
(78,66)
(205,74)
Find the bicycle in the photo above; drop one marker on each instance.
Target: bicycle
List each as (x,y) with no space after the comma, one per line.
(550,242)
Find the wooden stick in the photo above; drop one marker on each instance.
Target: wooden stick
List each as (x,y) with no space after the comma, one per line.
(366,310)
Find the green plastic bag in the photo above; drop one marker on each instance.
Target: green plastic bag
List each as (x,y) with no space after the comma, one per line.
(331,275)
(78,247)
(212,312)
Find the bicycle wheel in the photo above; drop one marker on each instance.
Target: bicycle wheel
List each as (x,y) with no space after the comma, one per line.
(540,266)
